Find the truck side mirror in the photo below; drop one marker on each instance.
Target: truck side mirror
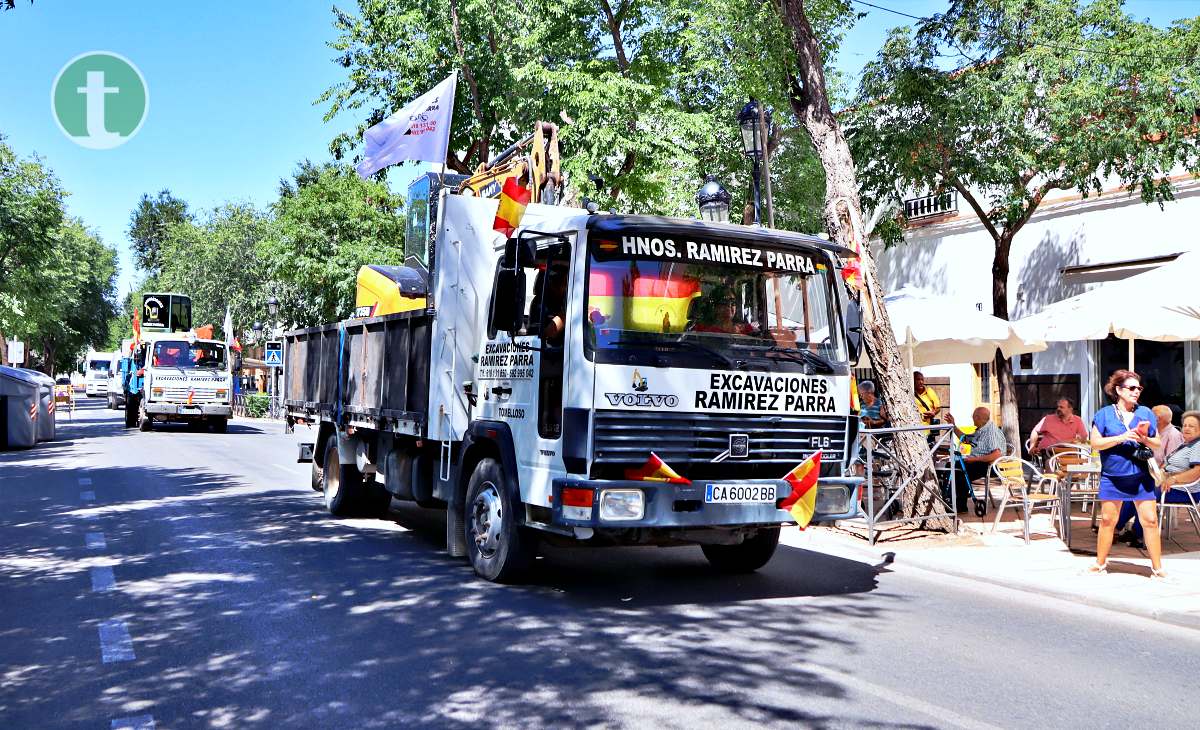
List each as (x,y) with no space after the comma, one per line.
(519,253)
(854,338)
(508,301)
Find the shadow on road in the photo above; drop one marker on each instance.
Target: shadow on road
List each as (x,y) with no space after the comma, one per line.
(254,607)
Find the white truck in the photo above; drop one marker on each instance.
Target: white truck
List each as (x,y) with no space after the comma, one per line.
(116,387)
(97,366)
(535,376)
(174,375)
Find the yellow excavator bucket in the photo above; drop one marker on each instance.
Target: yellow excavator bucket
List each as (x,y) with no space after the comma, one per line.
(388,290)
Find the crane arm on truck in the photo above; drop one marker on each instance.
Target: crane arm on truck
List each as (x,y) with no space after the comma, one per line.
(539,167)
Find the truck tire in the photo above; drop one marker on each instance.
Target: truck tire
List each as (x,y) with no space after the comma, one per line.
(131,408)
(752,554)
(112,402)
(500,549)
(220,424)
(145,423)
(347,494)
(318,477)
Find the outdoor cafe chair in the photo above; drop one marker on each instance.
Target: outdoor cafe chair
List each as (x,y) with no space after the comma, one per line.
(1083,491)
(1025,487)
(1190,493)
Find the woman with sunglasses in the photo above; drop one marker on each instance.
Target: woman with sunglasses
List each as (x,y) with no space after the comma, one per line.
(1124,433)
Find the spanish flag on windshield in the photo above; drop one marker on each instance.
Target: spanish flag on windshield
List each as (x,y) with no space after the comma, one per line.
(655,470)
(514,198)
(802,502)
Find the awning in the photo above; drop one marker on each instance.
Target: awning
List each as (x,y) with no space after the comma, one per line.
(1114,270)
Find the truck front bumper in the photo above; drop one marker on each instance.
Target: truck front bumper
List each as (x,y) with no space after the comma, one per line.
(685,505)
(183,410)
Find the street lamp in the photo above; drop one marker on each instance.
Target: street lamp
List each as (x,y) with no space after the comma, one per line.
(713,199)
(273,306)
(754,120)
(258,328)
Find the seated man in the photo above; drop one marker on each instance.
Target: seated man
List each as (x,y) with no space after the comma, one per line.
(987,444)
(722,321)
(871,410)
(1062,426)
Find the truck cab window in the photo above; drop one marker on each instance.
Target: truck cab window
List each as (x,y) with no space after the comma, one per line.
(547,316)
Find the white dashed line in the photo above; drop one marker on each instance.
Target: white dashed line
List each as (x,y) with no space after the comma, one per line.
(141,722)
(115,643)
(88,496)
(103,579)
(95,541)
(85,481)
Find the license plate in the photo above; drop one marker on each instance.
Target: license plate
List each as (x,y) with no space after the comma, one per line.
(189,410)
(739,493)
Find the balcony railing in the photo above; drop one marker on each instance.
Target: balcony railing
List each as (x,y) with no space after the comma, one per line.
(931,205)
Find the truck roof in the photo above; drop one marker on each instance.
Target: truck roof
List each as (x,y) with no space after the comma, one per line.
(615,224)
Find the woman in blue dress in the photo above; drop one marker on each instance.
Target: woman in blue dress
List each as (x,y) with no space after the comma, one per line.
(1124,433)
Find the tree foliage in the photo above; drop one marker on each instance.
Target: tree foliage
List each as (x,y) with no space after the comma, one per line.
(651,88)
(149,224)
(327,223)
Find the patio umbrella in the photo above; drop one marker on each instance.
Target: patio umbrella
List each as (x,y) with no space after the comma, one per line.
(940,330)
(1161,305)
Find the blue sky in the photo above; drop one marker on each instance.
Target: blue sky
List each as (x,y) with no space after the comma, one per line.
(231,91)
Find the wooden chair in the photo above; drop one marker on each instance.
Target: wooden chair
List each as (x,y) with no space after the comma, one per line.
(1026,487)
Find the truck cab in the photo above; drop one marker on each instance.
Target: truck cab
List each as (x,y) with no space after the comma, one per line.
(179,377)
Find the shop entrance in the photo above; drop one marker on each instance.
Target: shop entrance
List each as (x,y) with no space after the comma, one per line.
(1161,365)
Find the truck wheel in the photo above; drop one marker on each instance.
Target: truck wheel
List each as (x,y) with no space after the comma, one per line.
(318,477)
(144,420)
(112,403)
(347,494)
(752,554)
(131,406)
(500,550)
(220,424)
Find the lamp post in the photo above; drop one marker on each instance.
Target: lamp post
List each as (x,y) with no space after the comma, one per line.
(754,120)
(713,200)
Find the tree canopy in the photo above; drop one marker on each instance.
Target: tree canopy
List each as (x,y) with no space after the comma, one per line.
(148,226)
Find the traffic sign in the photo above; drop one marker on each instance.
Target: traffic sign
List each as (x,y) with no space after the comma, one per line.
(273,356)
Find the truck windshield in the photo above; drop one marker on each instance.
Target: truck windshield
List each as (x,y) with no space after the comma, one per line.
(710,303)
(183,354)
(98,366)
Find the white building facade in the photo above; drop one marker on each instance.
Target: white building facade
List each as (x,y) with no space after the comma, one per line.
(1069,246)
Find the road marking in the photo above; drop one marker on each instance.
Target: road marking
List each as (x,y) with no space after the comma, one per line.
(85,481)
(88,496)
(103,578)
(288,469)
(141,722)
(115,643)
(95,541)
(944,716)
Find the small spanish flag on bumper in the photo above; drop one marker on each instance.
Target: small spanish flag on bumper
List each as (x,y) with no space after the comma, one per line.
(514,198)
(655,470)
(802,502)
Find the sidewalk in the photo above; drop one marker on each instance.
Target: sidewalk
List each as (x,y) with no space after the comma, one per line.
(1043,567)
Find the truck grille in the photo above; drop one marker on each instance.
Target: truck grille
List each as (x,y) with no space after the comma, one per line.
(689,443)
(180,395)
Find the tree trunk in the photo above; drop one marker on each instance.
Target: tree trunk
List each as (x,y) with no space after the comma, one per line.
(1009,418)
(3,354)
(843,219)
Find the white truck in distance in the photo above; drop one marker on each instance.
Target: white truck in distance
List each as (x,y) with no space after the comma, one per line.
(97,367)
(532,378)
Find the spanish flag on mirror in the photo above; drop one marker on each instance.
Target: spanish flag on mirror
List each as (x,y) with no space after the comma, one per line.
(802,502)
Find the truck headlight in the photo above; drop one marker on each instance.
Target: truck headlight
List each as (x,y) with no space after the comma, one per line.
(833,500)
(221,392)
(622,504)
(156,392)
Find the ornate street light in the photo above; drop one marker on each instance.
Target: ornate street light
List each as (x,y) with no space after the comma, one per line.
(258,328)
(754,120)
(713,199)
(273,306)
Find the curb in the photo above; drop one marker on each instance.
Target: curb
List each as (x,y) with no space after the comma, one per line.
(1185,619)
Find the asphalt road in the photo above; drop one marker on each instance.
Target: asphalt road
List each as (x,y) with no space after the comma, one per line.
(178,579)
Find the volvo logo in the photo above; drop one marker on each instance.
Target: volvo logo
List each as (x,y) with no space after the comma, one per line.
(739,448)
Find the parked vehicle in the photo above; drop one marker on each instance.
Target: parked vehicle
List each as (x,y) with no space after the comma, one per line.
(97,366)
(116,377)
(536,378)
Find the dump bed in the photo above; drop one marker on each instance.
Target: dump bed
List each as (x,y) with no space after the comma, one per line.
(370,373)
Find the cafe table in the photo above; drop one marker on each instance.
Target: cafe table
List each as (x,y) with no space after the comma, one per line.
(1075,473)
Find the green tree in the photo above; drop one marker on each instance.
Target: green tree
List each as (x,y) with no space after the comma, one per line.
(148,226)
(215,261)
(327,225)
(1057,94)
(652,89)
(31,213)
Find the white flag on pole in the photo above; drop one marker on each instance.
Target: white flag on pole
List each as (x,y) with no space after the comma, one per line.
(419,131)
(228,325)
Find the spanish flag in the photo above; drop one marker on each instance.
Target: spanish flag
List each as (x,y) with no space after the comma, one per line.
(852,273)
(655,470)
(802,502)
(137,333)
(514,198)
(855,405)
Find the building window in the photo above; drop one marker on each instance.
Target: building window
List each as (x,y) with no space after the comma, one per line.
(930,205)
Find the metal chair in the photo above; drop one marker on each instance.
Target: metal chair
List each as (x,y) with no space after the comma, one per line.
(1026,487)
(1085,492)
(1191,492)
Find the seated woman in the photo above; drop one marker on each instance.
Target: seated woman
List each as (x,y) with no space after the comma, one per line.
(722,321)
(1183,464)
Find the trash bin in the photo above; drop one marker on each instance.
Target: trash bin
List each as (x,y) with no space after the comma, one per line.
(46,420)
(20,401)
